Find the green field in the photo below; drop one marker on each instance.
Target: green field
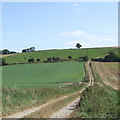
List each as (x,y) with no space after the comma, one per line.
(29,85)
(45,74)
(62,54)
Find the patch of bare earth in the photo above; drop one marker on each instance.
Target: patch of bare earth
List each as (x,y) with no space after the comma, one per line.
(2,56)
(70,83)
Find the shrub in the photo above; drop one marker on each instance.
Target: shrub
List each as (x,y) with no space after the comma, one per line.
(80,57)
(69,57)
(2,62)
(31,60)
(85,58)
(56,59)
(112,57)
(49,59)
(53,58)
(38,59)
(45,61)
(12,52)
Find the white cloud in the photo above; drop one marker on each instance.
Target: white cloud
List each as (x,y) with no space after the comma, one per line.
(108,39)
(87,36)
(86,39)
(72,33)
(76,4)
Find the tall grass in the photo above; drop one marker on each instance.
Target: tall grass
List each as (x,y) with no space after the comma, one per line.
(99,101)
(17,99)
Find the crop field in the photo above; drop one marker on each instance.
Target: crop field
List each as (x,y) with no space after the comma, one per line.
(45,74)
(62,54)
(29,85)
(108,72)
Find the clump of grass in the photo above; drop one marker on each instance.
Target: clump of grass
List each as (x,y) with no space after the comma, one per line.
(86,77)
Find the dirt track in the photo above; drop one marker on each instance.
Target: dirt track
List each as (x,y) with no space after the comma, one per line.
(67,110)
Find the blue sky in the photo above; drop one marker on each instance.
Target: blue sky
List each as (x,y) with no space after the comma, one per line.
(59,25)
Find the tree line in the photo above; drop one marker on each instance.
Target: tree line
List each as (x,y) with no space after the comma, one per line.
(111,57)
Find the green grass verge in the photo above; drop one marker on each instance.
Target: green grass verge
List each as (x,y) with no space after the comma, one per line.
(98,102)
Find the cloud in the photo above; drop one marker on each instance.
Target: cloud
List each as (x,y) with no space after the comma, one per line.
(86,39)
(85,35)
(76,4)
(72,33)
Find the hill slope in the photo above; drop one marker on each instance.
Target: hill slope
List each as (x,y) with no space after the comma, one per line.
(62,54)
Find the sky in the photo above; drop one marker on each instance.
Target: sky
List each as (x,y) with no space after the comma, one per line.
(59,25)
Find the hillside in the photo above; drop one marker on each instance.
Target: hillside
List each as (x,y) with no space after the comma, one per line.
(62,54)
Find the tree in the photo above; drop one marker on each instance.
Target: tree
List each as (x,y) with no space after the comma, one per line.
(12,52)
(25,50)
(78,45)
(31,49)
(5,51)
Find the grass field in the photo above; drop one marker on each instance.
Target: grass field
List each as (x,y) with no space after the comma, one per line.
(63,54)
(29,85)
(45,74)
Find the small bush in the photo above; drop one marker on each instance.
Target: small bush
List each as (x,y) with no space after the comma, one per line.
(45,61)
(85,58)
(38,59)
(56,59)
(69,57)
(31,60)
(2,62)
(49,59)
(80,57)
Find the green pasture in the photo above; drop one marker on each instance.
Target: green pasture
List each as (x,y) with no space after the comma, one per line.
(45,74)
(28,85)
(62,54)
